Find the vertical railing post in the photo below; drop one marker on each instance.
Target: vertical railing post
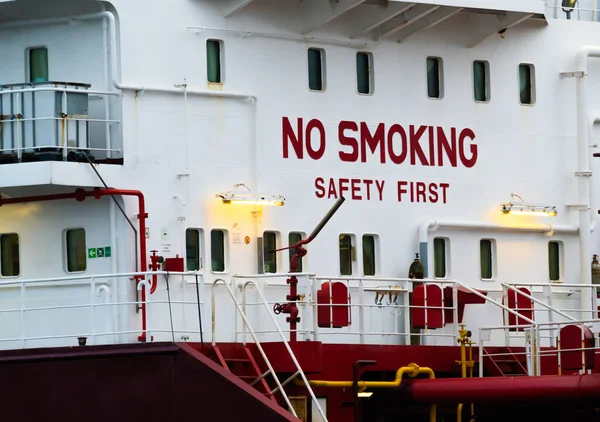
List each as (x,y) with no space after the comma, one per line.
(65,124)
(480,354)
(361,310)
(92,308)
(315,286)
(407,327)
(455,309)
(18,123)
(23,332)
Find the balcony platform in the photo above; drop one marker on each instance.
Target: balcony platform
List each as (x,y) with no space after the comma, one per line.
(59,174)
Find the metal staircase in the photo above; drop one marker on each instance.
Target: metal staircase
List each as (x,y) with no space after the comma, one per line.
(246,367)
(504,364)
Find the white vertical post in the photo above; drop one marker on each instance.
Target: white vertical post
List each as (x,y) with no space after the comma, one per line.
(361,310)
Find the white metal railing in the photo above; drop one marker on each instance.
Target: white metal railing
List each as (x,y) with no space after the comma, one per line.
(57,311)
(55,118)
(551,291)
(534,348)
(259,347)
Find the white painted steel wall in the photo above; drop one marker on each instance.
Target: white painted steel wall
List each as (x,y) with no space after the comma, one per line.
(529,150)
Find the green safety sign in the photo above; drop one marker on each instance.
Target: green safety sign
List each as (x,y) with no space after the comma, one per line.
(105,252)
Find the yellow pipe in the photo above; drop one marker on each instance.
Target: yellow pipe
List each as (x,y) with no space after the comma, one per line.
(459,413)
(412,370)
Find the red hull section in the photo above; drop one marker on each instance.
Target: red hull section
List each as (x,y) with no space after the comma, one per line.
(145,382)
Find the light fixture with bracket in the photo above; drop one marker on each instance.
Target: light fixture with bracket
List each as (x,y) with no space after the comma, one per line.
(521,208)
(249,198)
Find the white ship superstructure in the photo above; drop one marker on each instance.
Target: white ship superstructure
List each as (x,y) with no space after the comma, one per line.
(153,156)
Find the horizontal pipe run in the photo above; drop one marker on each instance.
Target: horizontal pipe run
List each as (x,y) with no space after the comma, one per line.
(503,389)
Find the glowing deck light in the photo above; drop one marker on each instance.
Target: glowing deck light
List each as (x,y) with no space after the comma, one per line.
(513,208)
(247,198)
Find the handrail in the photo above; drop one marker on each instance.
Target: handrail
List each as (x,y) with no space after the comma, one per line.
(257,343)
(539,302)
(476,293)
(283,339)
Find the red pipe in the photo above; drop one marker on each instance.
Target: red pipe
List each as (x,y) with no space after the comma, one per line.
(503,389)
(80,195)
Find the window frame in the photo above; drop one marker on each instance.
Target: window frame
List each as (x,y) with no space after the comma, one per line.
(275,254)
(532,83)
(487,85)
(225,251)
(560,261)
(323,70)
(446,258)
(28,52)
(221,61)
(292,252)
(2,276)
(375,238)
(352,254)
(493,259)
(370,73)
(440,77)
(201,248)
(66,250)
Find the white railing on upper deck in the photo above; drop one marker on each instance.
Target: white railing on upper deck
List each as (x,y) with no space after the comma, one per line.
(58,311)
(55,118)
(584,10)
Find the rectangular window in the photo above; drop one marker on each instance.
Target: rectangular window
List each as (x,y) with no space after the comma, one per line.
(434,77)
(294,238)
(345,254)
(554,261)
(213,61)
(193,249)
(217,250)
(481,83)
(38,64)
(269,254)
(526,83)
(9,255)
(369,255)
(315,69)
(486,258)
(439,258)
(364,73)
(76,251)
